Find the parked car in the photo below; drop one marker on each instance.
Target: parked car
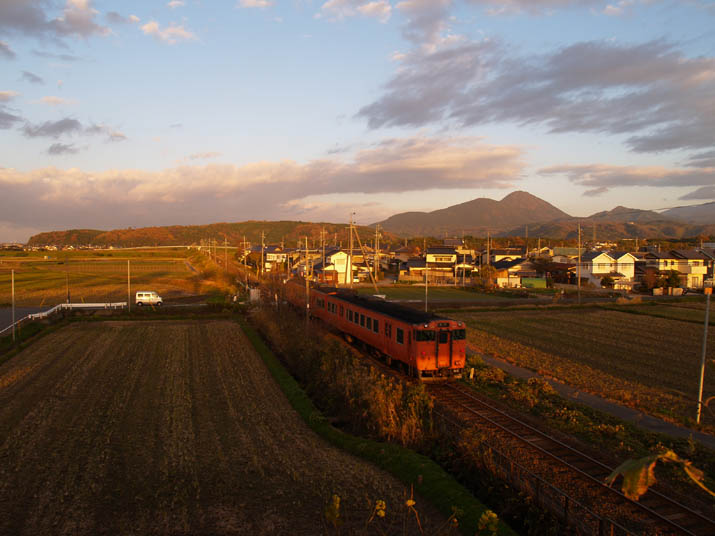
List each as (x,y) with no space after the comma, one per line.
(148,297)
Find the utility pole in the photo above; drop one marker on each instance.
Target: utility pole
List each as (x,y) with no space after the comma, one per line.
(349,273)
(702,360)
(578,267)
(245,261)
(376,258)
(225,254)
(129,287)
(526,241)
(263,247)
(307,287)
(12,280)
(322,244)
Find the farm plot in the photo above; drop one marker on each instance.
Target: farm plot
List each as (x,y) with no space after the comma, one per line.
(40,283)
(686,311)
(158,428)
(648,362)
(435,294)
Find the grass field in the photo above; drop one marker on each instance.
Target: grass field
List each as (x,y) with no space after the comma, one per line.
(645,361)
(169,428)
(435,294)
(97,276)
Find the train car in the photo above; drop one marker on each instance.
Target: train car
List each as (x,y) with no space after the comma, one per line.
(423,344)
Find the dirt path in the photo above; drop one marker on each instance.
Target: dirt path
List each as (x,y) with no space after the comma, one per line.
(631,415)
(168,428)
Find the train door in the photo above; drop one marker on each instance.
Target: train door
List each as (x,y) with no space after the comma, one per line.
(443,348)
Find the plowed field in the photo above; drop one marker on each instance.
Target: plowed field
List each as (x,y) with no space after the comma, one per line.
(166,428)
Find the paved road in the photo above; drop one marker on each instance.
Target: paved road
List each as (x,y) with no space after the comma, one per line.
(625,413)
(6,314)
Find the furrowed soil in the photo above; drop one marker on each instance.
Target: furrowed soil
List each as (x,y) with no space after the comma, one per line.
(168,428)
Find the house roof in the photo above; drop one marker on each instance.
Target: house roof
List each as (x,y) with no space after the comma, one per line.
(416,262)
(619,254)
(505,264)
(590,255)
(708,252)
(440,250)
(659,255)
(507,251)
(690,254)
(452,242)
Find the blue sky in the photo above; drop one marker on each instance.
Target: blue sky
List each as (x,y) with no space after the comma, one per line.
(116,114)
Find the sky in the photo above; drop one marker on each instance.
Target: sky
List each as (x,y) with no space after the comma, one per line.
(141,113)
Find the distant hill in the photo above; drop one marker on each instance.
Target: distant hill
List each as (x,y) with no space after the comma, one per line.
(475,217)
(613,230)
(179,235)
(703,214)
(627,215)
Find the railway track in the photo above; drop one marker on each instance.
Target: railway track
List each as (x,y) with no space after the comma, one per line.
(557,461)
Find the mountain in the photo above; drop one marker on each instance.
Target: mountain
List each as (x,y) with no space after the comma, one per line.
(180,235)
(627,215)
(703,214)
(475,217)
(613,230)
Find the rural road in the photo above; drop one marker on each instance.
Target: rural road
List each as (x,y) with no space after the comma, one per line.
(625,413)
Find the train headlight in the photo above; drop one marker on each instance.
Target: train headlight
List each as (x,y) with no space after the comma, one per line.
(426,325)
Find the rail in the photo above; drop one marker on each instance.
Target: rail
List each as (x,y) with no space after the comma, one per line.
(497,419)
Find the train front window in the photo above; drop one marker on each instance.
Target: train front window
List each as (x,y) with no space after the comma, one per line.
(443,337)
(424,335)
(459,334)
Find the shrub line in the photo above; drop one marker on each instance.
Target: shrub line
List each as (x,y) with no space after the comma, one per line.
(428,478)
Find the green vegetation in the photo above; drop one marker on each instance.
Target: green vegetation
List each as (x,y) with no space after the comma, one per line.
(428,479)
(684,311)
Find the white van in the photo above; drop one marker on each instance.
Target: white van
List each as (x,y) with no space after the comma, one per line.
(148,297)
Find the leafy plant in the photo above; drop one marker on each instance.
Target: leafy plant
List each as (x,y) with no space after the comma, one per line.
(639,475)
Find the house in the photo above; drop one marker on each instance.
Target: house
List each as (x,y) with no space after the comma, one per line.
(498,254)
(441,261)
(509,272)
(618,265)
(691,265)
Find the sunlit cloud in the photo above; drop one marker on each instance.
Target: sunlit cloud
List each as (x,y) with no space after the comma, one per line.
(171,34)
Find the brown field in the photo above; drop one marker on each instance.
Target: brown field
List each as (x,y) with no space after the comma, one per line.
(644,361)
(167,428)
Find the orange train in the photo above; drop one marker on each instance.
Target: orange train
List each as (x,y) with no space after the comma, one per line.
(425,345)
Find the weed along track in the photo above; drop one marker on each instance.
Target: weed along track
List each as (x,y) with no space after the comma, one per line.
(561,478)
(168,428)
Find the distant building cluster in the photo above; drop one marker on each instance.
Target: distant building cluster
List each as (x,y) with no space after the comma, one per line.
(453,262)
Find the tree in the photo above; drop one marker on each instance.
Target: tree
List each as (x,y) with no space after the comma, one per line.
(672,278)
(607,281)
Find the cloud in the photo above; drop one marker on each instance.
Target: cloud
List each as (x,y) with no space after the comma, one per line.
(67,127)
(188,194)
(706,159)
(532,7)
(255,3)
(652,92)
(56,101)
(341,9)
(32,78)
(61,148)
(115,18)
(706,192)
(601,178)
(29,17)
(50,55)
(8,120)
(52,129)
(426,20)
(175,3)
(6,96)
(170,35)
(6,52)
(198,156)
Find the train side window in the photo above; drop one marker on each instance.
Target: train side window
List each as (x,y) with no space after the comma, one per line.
(400,336)
(350,315)
(341,310)
(362,320)
(369,323)
(375,326)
